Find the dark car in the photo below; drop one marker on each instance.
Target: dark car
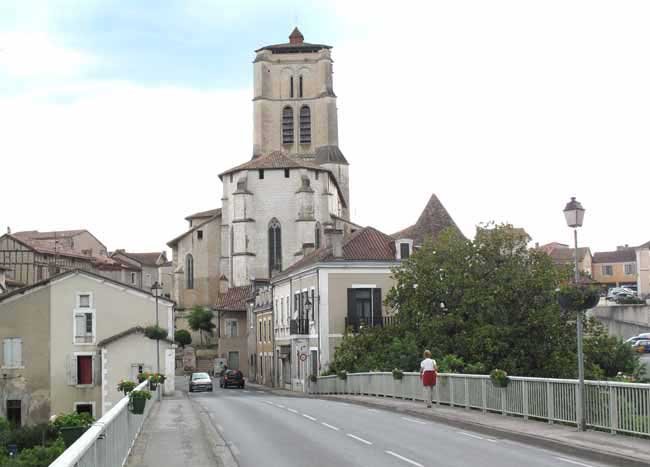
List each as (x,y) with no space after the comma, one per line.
(232,378)
(200,382)
(642,346)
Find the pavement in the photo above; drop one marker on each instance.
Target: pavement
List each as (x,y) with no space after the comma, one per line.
(257,426)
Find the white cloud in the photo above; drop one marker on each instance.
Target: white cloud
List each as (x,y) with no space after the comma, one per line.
(29,54)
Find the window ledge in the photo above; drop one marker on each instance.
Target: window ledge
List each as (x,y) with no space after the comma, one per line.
(85,343)
(84,386)
(13,367)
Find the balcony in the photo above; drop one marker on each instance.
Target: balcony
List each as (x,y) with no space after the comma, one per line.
(299,326)
(355,324)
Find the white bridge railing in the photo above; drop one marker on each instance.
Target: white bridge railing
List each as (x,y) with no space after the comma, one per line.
(613,406)
(108,442)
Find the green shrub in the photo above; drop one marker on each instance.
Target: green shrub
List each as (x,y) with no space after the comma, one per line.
(499,378)
(155,332)
(451,364)
(398,374)
(578,298)
(126,386)
(342,374)
(475,369)
(183,337)
(38,456)
(144,394)
(73,419)
(630,301)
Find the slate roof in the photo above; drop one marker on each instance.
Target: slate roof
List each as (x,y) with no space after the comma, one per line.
(274,160)
(624,255)
(47,247)
(234,299)
(367,244)
(145,259)
(175,240)
(203,214)
(296,44)
(52,235)
(433,220)
(645,245)
(330,155)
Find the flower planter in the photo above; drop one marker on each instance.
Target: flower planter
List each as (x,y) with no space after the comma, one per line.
(136,406)
(153,385)
(70,434)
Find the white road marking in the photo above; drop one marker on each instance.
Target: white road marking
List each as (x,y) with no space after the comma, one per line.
(414,420)
(573,462)
(309,417)
(331,427)
(364,441)
(470,435)
(405,459)
(246,390)
(373,410)
(261,392)
(269,402)
(292,410)
(280,406)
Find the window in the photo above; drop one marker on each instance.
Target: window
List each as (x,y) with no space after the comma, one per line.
(317,234)
(84,320)
(305,125)
(608,270)
(230,178)
(147,280)
(630,269)
(287,125)
(261,172)
(189,272)
(199,234)
(300,86)
(84,369)
(12,351)
(132,278)
(404,250)
(291,86)
(231,328)
(14,412)
(364,307)
(83,407)
(313,305)
(286,173)
(259,335)
(84,301)
(39,273)
(275,247)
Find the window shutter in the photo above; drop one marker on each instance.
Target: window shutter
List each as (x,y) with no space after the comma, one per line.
(376,305)
(71,369)
(97,371)
(6,351)
(18,352)
(351,303)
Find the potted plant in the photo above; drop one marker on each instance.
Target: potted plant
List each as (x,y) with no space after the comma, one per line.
(126,386)
(313,378)
(155,332)
(499,378)
(138,400)
(577,298)
(342,375)
(155,379)
(398,374)
(72,425)
(142,377)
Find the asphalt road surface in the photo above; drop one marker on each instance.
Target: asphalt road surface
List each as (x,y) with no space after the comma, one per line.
(263,429)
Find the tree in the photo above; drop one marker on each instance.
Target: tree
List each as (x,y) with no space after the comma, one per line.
(183,337)
(482,304)
(200,319)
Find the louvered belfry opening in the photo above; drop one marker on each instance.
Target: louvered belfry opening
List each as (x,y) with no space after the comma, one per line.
(275,247)
(305,125)
(287,125)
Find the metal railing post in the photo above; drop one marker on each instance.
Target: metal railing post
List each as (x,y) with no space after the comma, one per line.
(484,395)
(466,393)
(524,389)
(613,409)
(550,412)
(451,391)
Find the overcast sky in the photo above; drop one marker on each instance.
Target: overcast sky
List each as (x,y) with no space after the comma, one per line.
(117,116)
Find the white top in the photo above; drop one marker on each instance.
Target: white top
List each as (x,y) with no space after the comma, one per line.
(428,365)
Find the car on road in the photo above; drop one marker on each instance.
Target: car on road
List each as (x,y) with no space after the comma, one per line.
(642,346)
(232,378)
(633,339)
(200,382)
(620,292)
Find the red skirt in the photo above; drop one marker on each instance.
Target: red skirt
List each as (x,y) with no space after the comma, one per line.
(429,378)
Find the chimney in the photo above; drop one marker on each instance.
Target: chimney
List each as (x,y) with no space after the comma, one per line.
(622,247)
(334,239)
(307,248)
(223,284)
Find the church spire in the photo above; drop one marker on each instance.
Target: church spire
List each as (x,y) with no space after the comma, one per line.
(296,36)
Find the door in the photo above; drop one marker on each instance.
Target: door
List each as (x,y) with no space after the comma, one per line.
(233,360)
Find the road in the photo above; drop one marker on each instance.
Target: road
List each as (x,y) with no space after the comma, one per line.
(263,429)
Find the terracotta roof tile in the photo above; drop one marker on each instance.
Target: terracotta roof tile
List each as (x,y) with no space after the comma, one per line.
(433,220)
(202,214)
(274,160)
(565,255)
(234,299)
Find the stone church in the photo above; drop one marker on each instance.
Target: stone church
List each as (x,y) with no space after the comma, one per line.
(276,208)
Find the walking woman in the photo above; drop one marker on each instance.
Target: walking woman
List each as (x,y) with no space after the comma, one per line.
(428,369)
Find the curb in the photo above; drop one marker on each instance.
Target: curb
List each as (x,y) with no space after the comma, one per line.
(538,441)
(220,449)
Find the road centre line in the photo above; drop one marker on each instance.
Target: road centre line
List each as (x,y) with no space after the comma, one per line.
(261,392)
(331,427)
(309,417)
(269,402)
(292,410)
(414,420)
(470,435)
(573,462)
(246,390)
(405,459)
(280,406)
(365,441)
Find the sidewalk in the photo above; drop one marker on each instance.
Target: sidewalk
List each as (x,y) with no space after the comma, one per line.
(618,449)
(175,434)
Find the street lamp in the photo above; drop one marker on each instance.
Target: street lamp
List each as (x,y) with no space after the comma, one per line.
(155,290)
(574,214)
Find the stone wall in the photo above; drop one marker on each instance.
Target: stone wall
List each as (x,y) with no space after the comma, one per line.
(623,320)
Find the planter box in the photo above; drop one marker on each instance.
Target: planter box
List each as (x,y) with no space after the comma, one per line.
(136,406)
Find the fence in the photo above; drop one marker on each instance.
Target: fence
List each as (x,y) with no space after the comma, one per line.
(108,442)
(612,406)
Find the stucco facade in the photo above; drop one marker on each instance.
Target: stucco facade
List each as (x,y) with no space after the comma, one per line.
(643,269)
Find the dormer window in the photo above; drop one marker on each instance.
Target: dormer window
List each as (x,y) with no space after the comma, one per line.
(403,248)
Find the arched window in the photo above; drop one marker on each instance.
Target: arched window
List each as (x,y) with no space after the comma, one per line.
(317,235)
(189,272)
(275,247)
(287,125)
(305,125)
(291,86)
(300,86)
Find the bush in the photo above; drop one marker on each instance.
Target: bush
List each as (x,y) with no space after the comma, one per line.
(578,298)
(630,301)
(38,456)
(398,374)
(451,364)
(183,337)
(144,394)
(499,378)
(126,386)
(155,332)
(342,374)
(26,437)
(475,369)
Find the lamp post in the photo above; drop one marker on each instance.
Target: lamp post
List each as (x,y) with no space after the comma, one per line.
(574,214)
(155,288)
